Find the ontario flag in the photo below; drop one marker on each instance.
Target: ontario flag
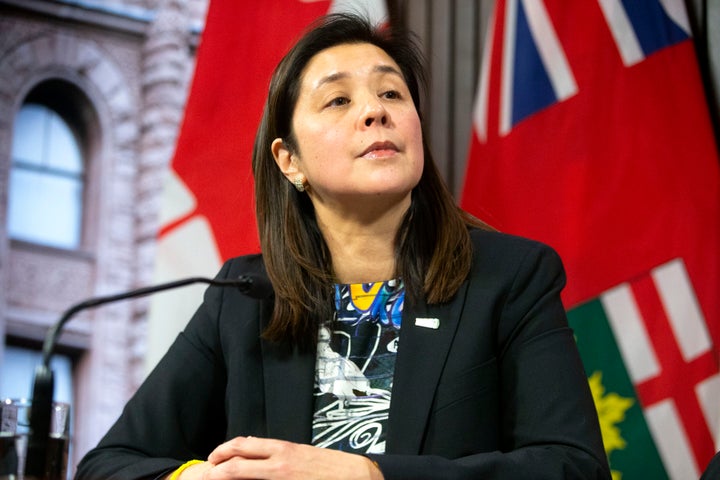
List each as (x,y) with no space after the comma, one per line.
(208,210)
(592,134)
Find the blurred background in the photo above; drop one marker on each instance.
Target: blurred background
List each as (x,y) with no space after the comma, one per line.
(92,97)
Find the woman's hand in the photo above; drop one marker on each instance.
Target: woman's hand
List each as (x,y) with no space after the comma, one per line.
(267,459)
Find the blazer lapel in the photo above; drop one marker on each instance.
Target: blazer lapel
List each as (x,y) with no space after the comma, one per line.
(425,338)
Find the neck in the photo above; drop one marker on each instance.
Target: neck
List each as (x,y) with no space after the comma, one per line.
(362,247)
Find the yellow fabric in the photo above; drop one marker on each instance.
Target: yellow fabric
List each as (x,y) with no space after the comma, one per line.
(182,468)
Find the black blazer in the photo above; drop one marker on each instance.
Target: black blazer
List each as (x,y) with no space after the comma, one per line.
(496,391)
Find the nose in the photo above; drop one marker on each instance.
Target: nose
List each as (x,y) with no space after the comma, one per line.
(374,112)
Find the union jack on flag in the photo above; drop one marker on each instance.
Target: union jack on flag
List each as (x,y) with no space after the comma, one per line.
(535,69)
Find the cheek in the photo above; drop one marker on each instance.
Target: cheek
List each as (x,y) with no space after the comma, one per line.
(417,145)
(319,149)
(411,126)
(307,135)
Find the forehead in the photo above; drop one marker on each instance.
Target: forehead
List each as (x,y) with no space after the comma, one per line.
(345,60)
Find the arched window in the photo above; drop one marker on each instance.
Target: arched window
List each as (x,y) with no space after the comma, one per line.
(45,203)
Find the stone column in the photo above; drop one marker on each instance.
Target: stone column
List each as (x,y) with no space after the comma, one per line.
(167,65)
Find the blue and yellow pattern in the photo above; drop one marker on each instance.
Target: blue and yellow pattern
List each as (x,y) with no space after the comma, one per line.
(355,367)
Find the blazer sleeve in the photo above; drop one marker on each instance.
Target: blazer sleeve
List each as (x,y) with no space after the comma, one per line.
(548,422)
(177,412)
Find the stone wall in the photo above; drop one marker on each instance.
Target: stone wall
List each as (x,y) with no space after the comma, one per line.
(131,63)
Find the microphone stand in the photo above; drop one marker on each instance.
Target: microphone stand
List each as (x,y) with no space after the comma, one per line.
(44,382)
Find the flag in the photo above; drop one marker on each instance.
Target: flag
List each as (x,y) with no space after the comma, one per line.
(208,210)
(653,373)
(591,133)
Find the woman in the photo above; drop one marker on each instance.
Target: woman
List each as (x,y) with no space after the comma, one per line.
(405,337)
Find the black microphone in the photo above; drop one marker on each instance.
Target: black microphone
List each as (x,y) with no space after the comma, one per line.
(252,285)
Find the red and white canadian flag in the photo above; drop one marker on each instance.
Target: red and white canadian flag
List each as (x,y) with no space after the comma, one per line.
(592,134)
(208,212)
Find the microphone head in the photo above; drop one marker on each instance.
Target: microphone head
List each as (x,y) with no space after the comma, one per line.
(255,286)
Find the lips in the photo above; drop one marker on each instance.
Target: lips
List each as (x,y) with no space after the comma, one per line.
(380,149)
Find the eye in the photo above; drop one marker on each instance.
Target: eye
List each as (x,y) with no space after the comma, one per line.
(338,102)
(391,95)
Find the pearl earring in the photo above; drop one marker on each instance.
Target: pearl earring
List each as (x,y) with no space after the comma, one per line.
(299,183)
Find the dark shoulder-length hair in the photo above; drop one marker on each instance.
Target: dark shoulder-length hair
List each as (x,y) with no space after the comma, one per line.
(433,249)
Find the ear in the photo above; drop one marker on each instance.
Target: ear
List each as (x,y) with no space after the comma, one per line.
(285,159)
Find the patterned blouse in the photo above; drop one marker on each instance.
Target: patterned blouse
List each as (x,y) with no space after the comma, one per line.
(355,366)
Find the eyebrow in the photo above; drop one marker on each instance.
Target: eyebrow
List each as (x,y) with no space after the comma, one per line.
(334,77)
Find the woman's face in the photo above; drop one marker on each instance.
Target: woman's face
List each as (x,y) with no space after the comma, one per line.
(356,128)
